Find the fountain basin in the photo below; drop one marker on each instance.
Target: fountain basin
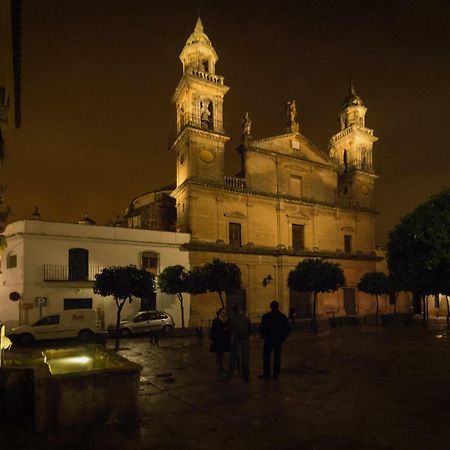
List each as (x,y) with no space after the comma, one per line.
(73,387)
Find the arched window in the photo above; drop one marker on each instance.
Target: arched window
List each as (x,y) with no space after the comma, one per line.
(78,264)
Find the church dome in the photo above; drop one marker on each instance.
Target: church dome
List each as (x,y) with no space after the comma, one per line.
(352,100)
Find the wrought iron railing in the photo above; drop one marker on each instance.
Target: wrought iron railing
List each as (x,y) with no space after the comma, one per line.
(196,121)
(60,272)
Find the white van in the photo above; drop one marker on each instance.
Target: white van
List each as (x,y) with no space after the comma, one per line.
(81,323)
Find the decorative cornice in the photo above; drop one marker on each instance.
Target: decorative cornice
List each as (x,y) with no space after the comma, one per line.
(265,195)
(273,251)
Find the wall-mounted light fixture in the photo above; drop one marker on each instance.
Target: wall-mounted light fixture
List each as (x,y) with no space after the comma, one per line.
(267,280)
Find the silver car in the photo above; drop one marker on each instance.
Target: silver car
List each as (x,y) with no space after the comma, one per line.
(146,321)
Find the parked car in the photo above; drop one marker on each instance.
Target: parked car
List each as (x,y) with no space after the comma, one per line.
(72,323)
(144,322)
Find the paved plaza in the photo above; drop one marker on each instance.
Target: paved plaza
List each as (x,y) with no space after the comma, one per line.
(351,388)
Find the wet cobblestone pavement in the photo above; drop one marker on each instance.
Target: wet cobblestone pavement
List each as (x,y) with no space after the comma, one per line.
(355,388)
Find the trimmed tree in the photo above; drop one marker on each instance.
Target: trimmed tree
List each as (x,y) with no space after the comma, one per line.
(316,275)
(174,280)
(419,249)
(217,276)
(122,284)
(375,283)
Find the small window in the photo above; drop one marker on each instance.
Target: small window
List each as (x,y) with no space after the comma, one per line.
(234,234)
(298,237)
(11,261)
(48,320)
(347,244)
(149,262)
(78,303)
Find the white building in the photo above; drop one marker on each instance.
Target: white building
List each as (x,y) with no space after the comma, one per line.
(52,266)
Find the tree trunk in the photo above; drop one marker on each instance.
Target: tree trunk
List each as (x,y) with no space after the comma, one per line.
(448,313)
(221,299)
(119,310)
(180,297)
(424,312)
(376,313)
(314,313)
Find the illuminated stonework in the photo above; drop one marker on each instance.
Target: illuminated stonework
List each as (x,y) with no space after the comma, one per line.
(290,200)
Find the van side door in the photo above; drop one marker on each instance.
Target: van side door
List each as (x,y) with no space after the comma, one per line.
(47,327)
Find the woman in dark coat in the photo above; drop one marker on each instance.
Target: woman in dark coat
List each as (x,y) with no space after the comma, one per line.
(220,338)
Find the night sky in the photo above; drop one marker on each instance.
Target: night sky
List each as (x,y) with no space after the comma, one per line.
(98,75)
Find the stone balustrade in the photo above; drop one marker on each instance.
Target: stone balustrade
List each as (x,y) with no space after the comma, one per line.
(207,76)
(235,182)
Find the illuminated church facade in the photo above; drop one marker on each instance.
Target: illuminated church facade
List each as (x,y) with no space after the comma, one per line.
(290,201)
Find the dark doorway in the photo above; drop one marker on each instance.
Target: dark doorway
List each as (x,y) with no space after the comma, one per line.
(301,302)
(236,298)
(350,301)
(78,264)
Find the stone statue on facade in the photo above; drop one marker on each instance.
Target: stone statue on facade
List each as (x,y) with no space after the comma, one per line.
(205,113)
(246,126)
(292,120)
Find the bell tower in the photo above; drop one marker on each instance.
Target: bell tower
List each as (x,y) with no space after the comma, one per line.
(200,142)
(198,99)
(351,148)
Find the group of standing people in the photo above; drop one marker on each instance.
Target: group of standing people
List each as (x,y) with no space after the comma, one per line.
(231,334)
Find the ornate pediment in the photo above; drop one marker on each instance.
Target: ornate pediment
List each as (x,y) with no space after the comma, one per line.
(297,215)
(235,215)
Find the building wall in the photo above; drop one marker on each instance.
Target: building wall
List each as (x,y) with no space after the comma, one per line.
(256,267)
(40,243)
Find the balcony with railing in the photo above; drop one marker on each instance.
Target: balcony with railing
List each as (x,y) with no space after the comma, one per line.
(61,272)
(206,76)
(200,122)
(235,182)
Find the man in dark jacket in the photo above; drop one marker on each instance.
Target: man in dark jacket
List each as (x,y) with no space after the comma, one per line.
(274,330)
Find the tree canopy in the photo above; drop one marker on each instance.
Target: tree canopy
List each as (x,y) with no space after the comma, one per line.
(216,276)
(123,283)
(419,248)
(316,275)
(175,280)
(375,283)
